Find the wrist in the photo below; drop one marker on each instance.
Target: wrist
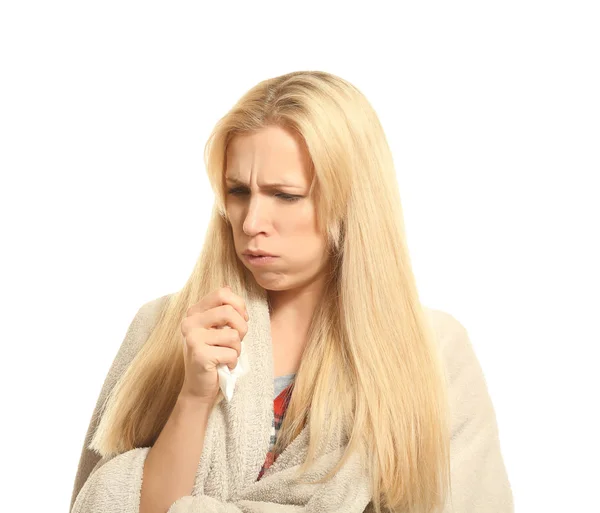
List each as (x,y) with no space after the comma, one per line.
(189,401)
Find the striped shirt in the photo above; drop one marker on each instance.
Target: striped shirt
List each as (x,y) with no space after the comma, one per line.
(280,404)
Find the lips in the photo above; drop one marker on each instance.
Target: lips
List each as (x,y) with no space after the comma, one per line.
(257,253)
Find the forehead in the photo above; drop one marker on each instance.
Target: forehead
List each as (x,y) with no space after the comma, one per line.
(271,153)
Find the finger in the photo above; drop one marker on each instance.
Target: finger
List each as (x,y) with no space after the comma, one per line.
(223,355)
(225,338)
(227,316)
(226,296)
(222,296)
(224,316)
(214,337)
(207,323)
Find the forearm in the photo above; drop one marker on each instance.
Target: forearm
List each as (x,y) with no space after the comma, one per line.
(171,465)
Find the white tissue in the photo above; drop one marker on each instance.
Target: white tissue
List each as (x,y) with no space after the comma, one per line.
(227,378)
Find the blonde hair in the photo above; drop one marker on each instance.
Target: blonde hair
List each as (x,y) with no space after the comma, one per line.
(384,379)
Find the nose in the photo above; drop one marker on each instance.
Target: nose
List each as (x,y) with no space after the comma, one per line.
(257,217)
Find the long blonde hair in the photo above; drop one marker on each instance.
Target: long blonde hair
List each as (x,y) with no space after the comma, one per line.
(371,359)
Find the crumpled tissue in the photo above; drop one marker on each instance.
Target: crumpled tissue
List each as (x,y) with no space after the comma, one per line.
(228,378)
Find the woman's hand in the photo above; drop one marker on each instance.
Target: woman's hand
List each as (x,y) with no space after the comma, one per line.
(207,344)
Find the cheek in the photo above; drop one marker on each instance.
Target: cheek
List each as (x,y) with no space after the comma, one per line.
(235,216)
(301,219)
(294,226)
(303,235)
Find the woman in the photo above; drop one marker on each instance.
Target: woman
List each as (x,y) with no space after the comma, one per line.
(357,397)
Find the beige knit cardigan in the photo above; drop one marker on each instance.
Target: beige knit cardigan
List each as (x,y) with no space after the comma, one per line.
(238,435)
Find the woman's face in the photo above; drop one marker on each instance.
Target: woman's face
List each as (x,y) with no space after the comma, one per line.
(278,219)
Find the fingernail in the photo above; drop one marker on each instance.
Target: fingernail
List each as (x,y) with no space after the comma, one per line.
(247,316)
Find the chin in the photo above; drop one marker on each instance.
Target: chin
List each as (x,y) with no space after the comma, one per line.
(277,282)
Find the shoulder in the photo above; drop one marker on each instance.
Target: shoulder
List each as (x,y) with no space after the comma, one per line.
(139,330)
(146,317)
(472,408)
(148,314)
(444,324)
(453,342)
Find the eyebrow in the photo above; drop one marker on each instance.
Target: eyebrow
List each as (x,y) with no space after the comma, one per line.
(235,181)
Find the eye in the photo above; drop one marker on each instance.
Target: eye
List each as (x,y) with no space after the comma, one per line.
(288,197)
(285,197)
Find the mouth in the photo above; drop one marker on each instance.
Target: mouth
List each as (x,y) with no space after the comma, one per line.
(259,259)
(257,253)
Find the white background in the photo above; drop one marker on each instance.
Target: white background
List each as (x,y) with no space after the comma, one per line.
(492,112)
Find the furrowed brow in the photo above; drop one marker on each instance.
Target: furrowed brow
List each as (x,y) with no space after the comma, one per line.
(235,181)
